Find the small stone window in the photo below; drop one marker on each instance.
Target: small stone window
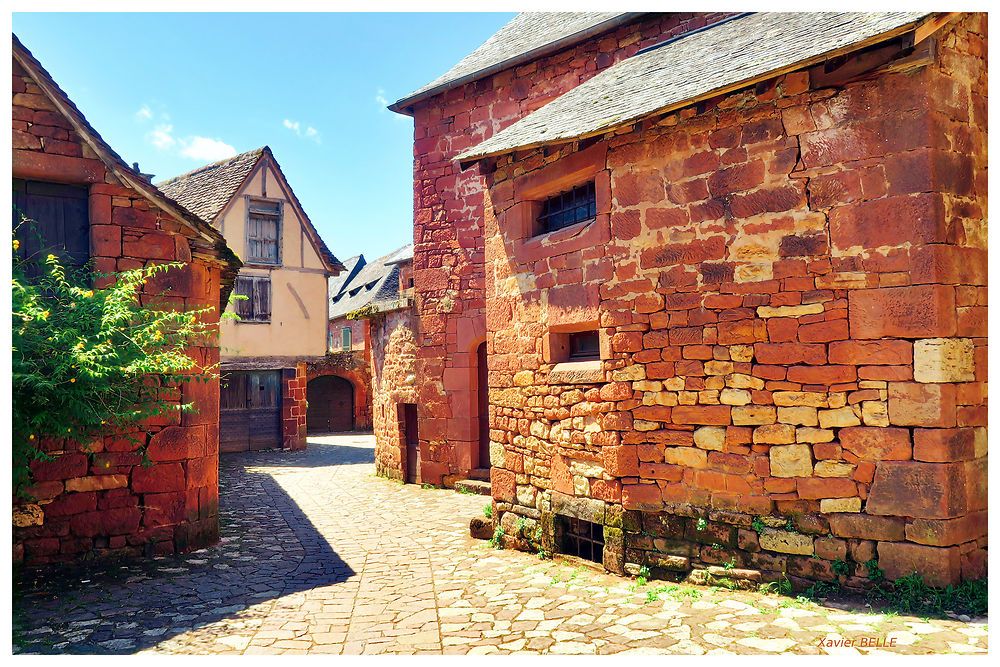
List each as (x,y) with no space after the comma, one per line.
(568,208)
(584,346)
(583,539)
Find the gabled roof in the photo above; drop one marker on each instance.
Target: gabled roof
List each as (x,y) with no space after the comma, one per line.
(210,188)
(722,57)
(375,282)
(207,189)
(351,267)
(527,36)
(208,244)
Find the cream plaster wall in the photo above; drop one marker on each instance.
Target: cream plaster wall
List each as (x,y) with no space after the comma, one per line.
(298,325)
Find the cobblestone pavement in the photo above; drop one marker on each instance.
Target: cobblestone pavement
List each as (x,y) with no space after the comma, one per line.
(318,555)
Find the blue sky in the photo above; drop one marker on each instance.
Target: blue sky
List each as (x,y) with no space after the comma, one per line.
(175,91)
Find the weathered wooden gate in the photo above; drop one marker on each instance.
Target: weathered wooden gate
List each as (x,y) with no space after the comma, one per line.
(331,405)
(250,410)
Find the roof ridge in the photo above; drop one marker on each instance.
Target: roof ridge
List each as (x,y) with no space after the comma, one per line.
(218,163)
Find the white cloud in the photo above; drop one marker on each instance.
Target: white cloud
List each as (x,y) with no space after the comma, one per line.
(161,137)
(145,113)
(380,98)
(296,127)
(205,149)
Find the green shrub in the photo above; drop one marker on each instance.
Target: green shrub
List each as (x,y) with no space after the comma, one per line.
(92,362)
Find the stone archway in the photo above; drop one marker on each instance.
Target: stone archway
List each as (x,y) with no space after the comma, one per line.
(331,405)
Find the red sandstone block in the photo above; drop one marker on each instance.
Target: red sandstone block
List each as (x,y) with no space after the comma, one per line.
(710,480)
(939,566)
(737,178)
(659,413)
(503,485)
(618,421)
(824,375)
(701,414)
(161,477)
(629,341)
(782,329)
(889,221)
(608,491)
(63,466)
(916,489)
(864,473)
(826,487)
(203,471)
(876,444)
(163,509)
(664,471)
(121,521)
(789,353)
(920,404)
(866,527)
(71,503)
(947,532)
(779,484)
(641,496)
(735,464)
(823,332)
(889,352)
(943,444)
(919,311)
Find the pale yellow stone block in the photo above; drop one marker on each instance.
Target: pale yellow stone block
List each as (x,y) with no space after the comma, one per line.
(944,360)
(791,461)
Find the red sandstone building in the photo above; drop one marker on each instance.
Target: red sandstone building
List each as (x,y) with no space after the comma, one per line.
(729,273)
(88,201)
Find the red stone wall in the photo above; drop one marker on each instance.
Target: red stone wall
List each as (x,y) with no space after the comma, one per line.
(293,407)
(106,501)
(394,381)
(448,225)
(791,286)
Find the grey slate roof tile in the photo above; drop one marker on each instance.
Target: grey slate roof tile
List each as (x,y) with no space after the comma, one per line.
(525,33)
(206,190)
(728,54)
(376,281)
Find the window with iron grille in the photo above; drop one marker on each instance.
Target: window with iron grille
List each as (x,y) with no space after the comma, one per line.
(582,538)
(257,306)
(263,229)
(568,208)
(584,346)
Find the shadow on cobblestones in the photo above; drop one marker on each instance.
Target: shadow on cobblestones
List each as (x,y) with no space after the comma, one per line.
(269,549)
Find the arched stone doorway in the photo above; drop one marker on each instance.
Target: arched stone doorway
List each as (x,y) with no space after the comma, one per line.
(331,405)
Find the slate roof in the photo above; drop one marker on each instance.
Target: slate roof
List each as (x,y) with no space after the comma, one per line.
(527,36)
(375,282)
(725,56)
(207,189)
(209,239)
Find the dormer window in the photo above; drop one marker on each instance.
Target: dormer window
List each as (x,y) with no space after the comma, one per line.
(568,208)
(263,225)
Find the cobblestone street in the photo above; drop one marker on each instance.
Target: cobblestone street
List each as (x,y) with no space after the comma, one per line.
(318,555)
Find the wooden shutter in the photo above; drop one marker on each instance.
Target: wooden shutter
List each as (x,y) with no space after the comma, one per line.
(61,222)
(262,299)
(244,307)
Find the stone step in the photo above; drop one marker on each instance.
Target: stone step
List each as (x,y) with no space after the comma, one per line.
(476,486)
(482,474)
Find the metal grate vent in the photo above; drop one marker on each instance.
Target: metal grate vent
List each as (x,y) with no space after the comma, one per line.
(583,538)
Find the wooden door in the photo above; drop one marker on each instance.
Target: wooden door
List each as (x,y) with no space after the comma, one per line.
(250,410)
(412,441)
(484,410)
(331,405)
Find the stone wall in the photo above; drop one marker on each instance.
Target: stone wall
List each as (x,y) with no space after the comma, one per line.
(394,382)
(448,226)
(790,287)
(96,498)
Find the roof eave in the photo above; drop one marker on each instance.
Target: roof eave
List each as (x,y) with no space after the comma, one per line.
(470,157)
(404,106)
